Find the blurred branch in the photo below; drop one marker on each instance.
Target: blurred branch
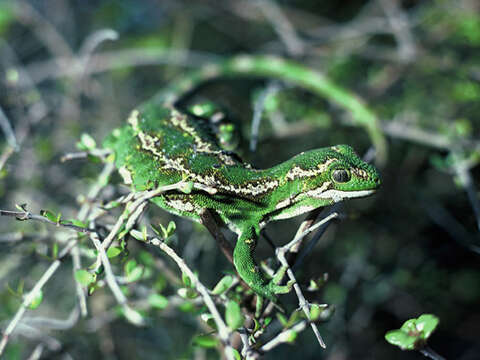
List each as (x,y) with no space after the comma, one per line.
(35,111)
(401,130)
(27,300)
(399,24)
(110,60)
(41,27)
(8,130)
(461,169)
(281,25)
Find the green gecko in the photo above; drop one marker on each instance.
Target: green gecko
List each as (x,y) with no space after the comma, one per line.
(163,145)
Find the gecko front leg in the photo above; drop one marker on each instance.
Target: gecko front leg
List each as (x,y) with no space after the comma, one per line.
(250,272)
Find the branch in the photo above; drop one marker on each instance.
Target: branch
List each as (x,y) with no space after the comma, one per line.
(27,300)
(282,251)
(223,330)
(26,215)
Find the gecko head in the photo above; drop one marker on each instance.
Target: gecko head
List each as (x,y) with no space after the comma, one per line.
(334,174)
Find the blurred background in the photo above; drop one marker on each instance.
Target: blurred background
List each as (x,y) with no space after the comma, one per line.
(74,67)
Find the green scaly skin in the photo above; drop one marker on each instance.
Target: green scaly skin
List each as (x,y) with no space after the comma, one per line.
(161,145)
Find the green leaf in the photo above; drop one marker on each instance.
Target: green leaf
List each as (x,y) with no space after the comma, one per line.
(158,301)
(21,207)
(427,323)
(283,320)
(84,277)
(113,251)
(401,339)
(414,332)
(223,285)
(171,228)
(37,300)
(47,214)
(234,315)
(86,142)
(208,318)
(137,235)
(55,250)
(129,266)
(234,353)
(292,336)
(187,293)
(186,280)
(78,223)
(205,341)
(135,273)
(133,316)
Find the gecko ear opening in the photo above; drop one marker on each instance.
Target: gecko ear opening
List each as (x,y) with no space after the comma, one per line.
(340,176)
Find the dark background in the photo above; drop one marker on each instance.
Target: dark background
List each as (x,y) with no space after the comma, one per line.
(413,248)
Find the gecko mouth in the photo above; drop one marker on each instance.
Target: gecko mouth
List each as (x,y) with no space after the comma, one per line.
(338,195)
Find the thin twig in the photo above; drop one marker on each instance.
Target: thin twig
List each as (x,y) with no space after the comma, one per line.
(461,169)
(284,337)
(8,130)
(281,252)
(428,352)
(27,300)
(26,215)
(282,26)
(223,330)
(111,60)
(129,313)
(272,88)
(398,21)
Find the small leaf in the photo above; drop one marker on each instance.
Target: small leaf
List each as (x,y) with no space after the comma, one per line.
(171,228)
(234,315)
(267,321)
(59,216)
(84,277)
(208,318)
(21,207)
(158,301)
(78,223)
(187,307)
(133,316)
(427,323)
(187,293)
(186,280)
(55,250)
(234,353)
(223,285)
(283,320)
(205,341)
(47,214)
(401,339)
(113,251)
(129,266)
(86,142)
(133,271)
(37,300)
(137,235)
(292,336)
(413,333)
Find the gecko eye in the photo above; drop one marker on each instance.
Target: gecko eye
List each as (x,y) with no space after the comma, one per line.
(340,176)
